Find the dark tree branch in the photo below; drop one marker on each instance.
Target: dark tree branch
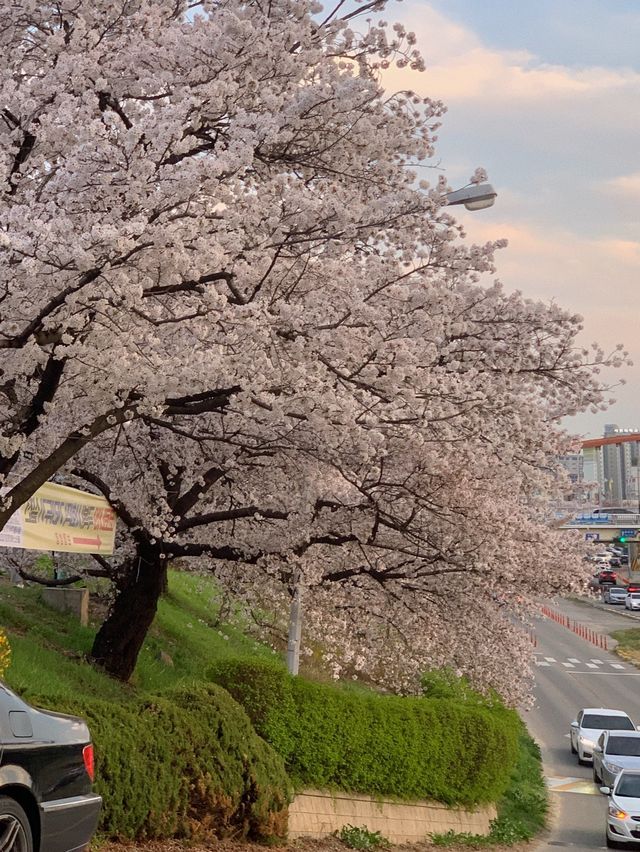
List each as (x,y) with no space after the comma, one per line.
(230,515)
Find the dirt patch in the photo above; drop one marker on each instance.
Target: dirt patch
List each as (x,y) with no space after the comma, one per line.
(329,844)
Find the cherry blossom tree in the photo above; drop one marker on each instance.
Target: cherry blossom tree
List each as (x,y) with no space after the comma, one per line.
(414,515)
(158,169)
(229,305)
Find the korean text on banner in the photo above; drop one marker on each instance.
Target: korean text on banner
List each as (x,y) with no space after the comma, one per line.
(64,519)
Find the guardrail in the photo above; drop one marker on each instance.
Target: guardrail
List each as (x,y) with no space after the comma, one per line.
(623,521)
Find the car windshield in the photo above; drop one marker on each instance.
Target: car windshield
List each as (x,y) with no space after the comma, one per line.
(624,745)
(607,723)
(629,785)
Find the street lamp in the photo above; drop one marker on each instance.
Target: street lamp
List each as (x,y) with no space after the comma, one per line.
(476,196)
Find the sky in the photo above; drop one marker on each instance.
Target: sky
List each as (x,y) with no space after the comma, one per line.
(545,95)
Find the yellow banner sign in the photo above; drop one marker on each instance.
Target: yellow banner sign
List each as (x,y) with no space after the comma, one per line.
(62,518)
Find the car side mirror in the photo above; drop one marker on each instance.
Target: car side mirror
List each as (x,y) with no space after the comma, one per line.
(574,724)
(598,749)
(606,790)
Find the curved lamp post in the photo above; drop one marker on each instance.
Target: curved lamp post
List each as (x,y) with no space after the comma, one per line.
(476,196)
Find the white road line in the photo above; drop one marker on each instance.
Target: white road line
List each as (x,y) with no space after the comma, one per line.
(573,660)
(568,665)
(550,659)
(610,674)
(542,663)
(616,666)
(591,665)
(597,662)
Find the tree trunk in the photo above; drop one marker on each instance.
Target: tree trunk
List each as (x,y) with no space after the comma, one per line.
(119,640)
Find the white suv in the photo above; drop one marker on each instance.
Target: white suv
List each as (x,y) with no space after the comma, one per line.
(589,724)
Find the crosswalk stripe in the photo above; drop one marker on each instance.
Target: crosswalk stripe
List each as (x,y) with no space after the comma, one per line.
(616,666)
(568,665)
(550,659)
(598,662)
(572,785)
(542,663)
(591,665)
(573,660)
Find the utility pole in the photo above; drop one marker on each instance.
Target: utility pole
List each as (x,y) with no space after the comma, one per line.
(295,629)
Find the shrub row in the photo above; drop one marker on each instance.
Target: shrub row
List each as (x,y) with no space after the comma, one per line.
(381,745)
(185,764)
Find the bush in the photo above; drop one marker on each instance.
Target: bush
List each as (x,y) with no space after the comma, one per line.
(382,745)
(185,764)
(359,837)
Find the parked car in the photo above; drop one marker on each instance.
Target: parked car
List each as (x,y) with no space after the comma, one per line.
(589,725)
(632,600)
(623,812)
(607,576)
(614,595)
(615,751)
(632,587)
(46,773)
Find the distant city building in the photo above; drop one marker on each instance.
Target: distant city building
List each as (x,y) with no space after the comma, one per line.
(573,463)
(613,462)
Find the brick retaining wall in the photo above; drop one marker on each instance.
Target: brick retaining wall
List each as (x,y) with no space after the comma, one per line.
(314,813)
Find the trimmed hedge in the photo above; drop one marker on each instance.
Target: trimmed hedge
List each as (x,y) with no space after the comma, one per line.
(187,764)
(381,745)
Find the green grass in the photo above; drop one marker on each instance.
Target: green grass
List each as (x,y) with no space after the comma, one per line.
(628,645)
(522,811)
(49,648)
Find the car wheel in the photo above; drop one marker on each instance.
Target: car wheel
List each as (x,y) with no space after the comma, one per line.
(596,780)
(15,831)
(573,748)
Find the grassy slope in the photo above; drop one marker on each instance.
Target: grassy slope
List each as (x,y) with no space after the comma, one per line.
(48,648)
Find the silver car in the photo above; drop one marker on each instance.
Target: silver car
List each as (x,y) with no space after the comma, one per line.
(623,812)
(615,751)
(632,601)
(586,728)
(614,595)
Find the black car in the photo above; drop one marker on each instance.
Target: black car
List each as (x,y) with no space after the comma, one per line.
(46,773)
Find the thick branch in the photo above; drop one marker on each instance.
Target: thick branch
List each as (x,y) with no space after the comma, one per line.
(230,515)
(66,581)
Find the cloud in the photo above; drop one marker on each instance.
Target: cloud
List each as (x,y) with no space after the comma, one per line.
(625,185)
(597,278)
(560,145)
(461,68)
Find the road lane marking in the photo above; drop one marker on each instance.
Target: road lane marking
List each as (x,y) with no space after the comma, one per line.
(573,660)
(616,666)
(568,665)
(610,674)
(542,663)
(591,665)
(598,662)
(572,785)
(550,659)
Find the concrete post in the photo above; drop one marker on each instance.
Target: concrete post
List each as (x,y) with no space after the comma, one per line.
(295,631)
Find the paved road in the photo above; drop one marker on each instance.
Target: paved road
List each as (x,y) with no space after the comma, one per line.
(573,673)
